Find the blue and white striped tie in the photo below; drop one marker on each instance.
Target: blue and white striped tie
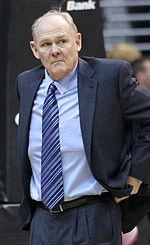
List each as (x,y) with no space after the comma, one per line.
(52,191)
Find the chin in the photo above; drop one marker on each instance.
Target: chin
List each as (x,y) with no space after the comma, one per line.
(60,75)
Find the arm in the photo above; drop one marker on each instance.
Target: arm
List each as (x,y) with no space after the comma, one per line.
(135,103)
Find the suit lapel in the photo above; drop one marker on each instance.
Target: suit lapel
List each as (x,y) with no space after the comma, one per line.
(27,100)
(87,87)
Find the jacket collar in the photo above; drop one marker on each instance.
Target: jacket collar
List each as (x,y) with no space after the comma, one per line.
(87,87)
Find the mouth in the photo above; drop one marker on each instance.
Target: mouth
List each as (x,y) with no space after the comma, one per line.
(57,61)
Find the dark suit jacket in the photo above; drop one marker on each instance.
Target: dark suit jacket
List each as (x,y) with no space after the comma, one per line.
(109,100)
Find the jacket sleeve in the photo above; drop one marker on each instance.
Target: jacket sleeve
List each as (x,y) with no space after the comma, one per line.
(135,104)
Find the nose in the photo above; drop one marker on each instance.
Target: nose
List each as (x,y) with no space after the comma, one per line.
(55,49)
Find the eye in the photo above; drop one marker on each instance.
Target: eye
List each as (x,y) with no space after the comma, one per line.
(47,44)
(62,41)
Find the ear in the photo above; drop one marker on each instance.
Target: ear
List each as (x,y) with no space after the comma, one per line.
(140,77)
(79,42)
(34,49)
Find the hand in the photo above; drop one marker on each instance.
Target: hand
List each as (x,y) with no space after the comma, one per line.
(136,185)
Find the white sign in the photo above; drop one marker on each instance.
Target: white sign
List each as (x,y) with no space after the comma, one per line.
(87,5)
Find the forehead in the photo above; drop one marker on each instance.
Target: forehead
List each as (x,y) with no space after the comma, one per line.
(147,63)
(53,24)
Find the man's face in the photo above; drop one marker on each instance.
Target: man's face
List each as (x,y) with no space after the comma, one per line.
(56,46)
(144,76)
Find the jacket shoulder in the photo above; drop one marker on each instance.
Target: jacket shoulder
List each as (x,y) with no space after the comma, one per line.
(105,62)
(113,66)
(31,72)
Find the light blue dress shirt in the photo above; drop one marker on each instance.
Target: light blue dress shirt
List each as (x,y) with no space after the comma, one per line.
(78,179)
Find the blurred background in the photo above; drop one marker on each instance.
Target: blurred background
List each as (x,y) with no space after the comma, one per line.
(104,25)
(126,21)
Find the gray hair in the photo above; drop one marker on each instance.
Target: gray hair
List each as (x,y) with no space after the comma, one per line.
(65,15)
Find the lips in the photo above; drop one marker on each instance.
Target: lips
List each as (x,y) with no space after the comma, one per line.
(56,61)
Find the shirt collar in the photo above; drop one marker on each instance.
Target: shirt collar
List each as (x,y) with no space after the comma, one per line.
(66,83)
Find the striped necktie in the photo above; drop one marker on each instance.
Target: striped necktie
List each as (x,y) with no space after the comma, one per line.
(52,191)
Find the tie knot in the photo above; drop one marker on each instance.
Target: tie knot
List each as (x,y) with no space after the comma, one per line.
(52,88)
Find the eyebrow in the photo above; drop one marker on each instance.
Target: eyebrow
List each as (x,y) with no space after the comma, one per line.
(47,39)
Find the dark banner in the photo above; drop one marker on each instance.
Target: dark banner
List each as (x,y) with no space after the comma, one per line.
(88,18)
(4,26)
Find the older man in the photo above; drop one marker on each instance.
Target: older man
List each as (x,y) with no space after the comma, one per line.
(74,144)
(141,69)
